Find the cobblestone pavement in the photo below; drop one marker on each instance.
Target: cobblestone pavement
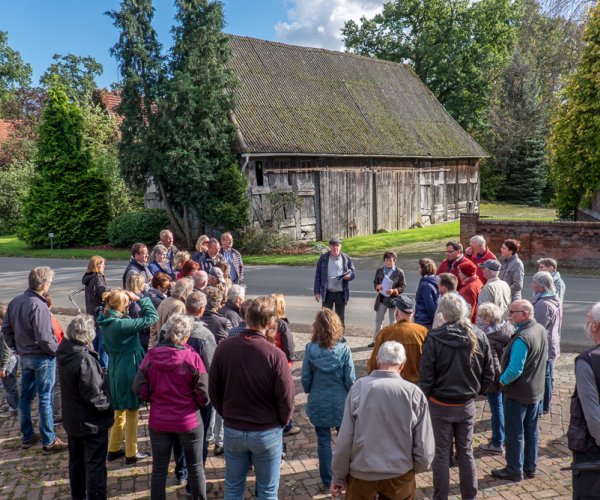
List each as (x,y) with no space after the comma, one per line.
(31,475)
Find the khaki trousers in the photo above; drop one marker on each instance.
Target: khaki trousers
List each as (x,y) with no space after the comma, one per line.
(397,488)
(125,420)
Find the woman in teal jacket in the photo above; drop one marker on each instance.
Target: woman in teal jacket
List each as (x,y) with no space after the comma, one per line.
(121,341)
(327,375)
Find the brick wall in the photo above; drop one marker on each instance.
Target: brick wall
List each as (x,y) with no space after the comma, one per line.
(572,244)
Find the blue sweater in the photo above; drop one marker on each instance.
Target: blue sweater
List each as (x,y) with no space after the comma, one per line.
(426,300)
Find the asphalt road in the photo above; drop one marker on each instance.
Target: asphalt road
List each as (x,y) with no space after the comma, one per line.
(296,283)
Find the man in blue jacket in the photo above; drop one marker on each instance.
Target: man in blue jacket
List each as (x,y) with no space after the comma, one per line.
(334,271)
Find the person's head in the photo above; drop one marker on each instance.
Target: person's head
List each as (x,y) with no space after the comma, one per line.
(548,265)
(166,238)
(453,309)
(195,303)
(202,243)
(477,243)
(489,313)
(335,247)
(542,282)
(40,279)
(216,277)
(592,323)
(454,250)
(389,259)
(96,264)
(135,283)
(427,267)
(509,248)
(161,282)
(139,252)
(237,294)
(224,266)
(467,269)
(180,259)
(213,247)
(327,328)
(261,314)
(226,241)
(189,268)
(48,299)
(391,356)
(178,329)
(491,269)
(448,283)
(279,304)
(244,308)
(116,300)
(200,279)
(159,253)
(182,288)
(3,310)
(404,308)
(214,298)
(520,311)
(81,330)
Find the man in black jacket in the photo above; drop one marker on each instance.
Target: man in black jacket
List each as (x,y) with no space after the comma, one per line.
(87,411)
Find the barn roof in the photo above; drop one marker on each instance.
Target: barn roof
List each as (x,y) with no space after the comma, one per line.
(301,100)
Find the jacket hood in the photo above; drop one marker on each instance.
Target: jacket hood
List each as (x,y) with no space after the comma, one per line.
(87,277)
(433,280)
(167,357)
(326,360)
(107,318)
(452,335)
(68,350)
(542,297)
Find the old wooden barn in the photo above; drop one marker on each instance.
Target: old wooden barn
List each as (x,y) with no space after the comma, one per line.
(362,143)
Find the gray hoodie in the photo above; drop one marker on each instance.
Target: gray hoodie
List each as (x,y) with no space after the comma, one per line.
(547,311)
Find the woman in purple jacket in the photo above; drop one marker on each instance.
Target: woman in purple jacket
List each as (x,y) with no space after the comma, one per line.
(173,379)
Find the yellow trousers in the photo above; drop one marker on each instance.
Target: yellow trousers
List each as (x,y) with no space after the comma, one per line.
(125,420)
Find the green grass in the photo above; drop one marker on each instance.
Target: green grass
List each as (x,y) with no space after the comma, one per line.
(508,211)
(11,246)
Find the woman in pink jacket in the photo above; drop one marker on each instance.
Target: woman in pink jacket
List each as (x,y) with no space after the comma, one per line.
(173,379)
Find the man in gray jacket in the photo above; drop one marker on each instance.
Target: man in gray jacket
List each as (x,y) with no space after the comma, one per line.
(27,328)
(495,290)
(386,435)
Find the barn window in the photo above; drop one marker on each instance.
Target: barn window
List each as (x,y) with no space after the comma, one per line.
(258,169)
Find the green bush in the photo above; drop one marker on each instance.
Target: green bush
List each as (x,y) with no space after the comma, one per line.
(142,226)
(257,241)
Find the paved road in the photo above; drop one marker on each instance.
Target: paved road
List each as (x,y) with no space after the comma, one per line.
(296,283)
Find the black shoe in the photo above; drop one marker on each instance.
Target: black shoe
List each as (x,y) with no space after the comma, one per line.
(530,474)
(372,344)
(507,475)
(114,455)
(140,455)
(218,451)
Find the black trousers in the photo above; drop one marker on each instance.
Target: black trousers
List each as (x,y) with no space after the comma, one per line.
(87,466)
(181,472)
(335,301)
(586,483)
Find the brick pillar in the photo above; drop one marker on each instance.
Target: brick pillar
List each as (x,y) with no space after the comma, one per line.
(468,227)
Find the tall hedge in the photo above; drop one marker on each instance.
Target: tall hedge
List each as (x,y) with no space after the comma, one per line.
(67,196)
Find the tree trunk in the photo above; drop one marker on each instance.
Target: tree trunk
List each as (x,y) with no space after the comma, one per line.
(176,222)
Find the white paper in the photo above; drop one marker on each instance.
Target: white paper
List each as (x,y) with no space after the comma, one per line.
(386,285)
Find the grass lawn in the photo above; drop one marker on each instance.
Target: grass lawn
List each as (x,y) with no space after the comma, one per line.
(409,241)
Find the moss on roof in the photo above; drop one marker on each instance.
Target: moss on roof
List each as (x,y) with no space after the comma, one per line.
(310,101)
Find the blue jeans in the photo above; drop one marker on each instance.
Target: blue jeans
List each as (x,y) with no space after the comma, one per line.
(325,454)
(10,382)
(497,409)
(99,348)
(37,376)
(261,448)
(521,435)
(548,385)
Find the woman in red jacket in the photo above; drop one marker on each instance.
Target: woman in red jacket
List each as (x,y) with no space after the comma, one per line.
(472,285)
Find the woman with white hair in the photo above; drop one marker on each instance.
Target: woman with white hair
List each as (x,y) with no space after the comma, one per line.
(160,262)
(174,304)
(456,366)
(86,409)
(173,378)
(547,311)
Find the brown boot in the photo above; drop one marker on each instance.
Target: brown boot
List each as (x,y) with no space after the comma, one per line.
(55,447)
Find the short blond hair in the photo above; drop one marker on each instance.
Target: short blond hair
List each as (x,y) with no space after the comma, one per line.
(116,300)
(279,304)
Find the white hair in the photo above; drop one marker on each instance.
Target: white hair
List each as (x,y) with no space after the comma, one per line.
(489,311)
(544,279)
(195,302)
(478,239)
(182,288)
(200,279)
(177,328)
(595,311)
(81,329)
(40,276)
(391,353)
(159,249)
(236,292)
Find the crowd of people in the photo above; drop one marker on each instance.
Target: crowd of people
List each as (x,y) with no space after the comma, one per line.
(215,369)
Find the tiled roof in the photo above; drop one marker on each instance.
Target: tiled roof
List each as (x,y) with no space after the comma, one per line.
(303,100)
(109,101)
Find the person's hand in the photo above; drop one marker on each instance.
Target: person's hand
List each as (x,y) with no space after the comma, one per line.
(132,296)
(3,373)
(317,297)
(347,276)
(336,490)
(394,292)
(378,288)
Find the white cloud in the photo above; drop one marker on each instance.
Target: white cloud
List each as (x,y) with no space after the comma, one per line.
(318,23)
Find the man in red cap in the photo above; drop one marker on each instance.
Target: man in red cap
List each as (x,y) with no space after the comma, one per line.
(471,286)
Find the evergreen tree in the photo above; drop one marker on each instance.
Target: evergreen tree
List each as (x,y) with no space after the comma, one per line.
(14,73)
(66,196)
(575,136)
(77,75)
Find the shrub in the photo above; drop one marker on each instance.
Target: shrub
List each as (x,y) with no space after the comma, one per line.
(142,226)
(257,241)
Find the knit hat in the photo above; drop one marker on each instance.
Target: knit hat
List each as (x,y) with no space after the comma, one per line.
(467,268)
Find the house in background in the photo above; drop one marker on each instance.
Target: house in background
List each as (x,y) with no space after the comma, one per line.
(361,144)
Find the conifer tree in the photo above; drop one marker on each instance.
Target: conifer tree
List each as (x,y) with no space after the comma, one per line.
(66,197)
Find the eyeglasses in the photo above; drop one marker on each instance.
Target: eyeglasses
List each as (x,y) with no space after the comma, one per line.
(451,251)
(517,311)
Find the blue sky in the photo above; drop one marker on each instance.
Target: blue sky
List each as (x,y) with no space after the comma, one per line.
(38,29)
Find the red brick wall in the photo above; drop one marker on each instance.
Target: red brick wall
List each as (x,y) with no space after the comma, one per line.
(572,244)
